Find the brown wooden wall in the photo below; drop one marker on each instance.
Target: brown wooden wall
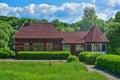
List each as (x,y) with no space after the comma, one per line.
(56,44)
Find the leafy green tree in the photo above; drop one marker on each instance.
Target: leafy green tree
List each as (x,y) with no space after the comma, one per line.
(88,18)
(117,16)
(61,26)
(6,32)
(113,34)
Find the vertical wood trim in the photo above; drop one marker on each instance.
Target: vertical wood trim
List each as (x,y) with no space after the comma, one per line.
(92,47)
(100,47)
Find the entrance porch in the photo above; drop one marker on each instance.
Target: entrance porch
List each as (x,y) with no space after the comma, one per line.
(92,47)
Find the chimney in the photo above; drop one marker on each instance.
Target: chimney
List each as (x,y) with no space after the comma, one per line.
(28,23)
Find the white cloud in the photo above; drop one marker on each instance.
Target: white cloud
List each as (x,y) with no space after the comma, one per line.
(102,16)
(113,2)
(67,12)
(107,3)
(93,1)
(4,9)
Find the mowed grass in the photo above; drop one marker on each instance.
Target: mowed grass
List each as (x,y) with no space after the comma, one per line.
(27,70)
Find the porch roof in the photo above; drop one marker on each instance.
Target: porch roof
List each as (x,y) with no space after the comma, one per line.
(96,35)
(74,37)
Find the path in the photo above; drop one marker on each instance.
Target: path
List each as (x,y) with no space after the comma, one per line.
(107,74)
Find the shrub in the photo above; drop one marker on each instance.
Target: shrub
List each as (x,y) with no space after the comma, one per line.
(43,55)
(91,58)
(72,58)
(6,53)
(82,56)
(109,62)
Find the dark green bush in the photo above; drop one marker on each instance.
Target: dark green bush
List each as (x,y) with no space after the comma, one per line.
(43,55)
(91,58)
(72,58)
(82,56)
(6,53)
(109,62)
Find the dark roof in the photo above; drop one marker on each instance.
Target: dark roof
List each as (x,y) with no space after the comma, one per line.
(74,37)
(96,35)
(38,30)
(47,30)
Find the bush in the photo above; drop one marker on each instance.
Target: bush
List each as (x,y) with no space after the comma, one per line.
(43,55)
(91,58)
(109,62)
(6,53)
(72,58)
(82,56)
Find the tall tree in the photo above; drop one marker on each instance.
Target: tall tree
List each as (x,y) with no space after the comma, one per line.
(113,34)
(88,19)
(61,26)
(117,16)
(6,32)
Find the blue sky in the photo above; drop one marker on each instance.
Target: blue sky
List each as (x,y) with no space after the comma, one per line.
(22,3)
(68,11)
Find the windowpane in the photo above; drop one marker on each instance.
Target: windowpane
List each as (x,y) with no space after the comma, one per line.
(79,48)
(96,47)
(49,46)
(37,46)
(66,47)
(26,46)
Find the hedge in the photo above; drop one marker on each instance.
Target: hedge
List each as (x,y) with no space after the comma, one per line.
(6,53)
(109,62)
(91,58)
(72,58)
(43,55)
(82,56)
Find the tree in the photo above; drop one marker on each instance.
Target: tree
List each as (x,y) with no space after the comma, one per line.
(61,26)
(113,34)
(6,32)
(88,19)
(117,16)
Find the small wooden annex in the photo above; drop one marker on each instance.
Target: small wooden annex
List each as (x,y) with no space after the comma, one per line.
(44,36)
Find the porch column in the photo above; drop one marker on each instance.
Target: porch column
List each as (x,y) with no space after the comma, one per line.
(100,47)
(92,47)
(106,47)
(31,45)
(73,49)
(44,47)
(85,47)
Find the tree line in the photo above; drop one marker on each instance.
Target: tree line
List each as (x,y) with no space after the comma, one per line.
(111,28)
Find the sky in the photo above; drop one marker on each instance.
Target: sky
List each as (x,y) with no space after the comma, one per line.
(68,11)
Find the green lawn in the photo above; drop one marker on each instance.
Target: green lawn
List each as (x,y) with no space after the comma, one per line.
(33,70)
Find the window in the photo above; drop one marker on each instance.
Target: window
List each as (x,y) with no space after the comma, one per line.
(79,48)
(49,46)
(96,47)
(37,46)
(66,47)
(26,46)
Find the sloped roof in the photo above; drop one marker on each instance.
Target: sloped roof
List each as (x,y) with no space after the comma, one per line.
(74,37)
(47,30)
(96,35)
(38,30)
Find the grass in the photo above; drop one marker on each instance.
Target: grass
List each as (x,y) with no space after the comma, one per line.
(30,70)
